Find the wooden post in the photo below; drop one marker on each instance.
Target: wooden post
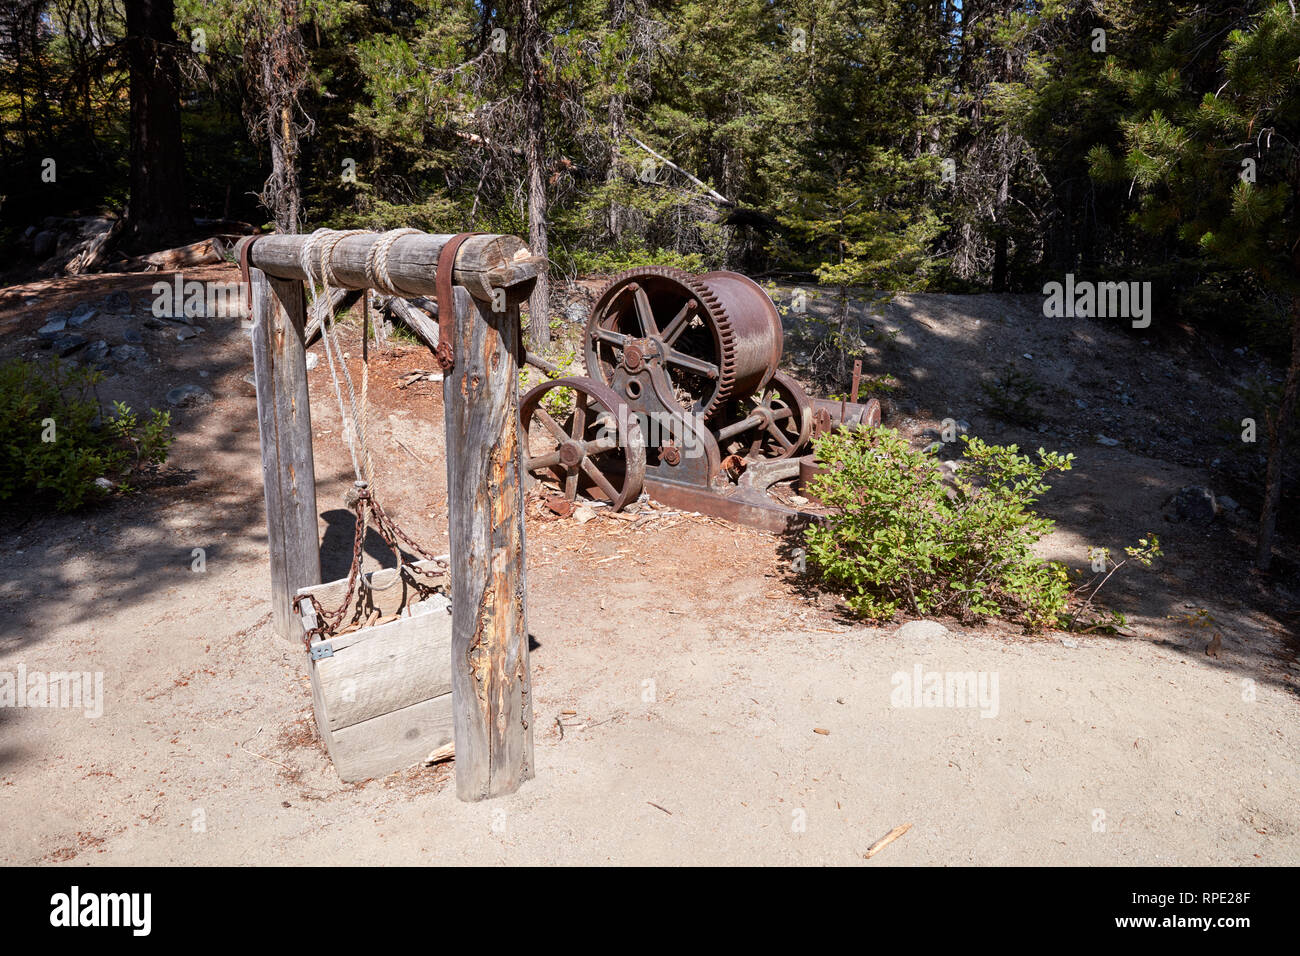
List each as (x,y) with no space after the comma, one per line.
(284,428)
(492,709)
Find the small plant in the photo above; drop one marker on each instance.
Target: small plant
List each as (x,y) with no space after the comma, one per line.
(900,536)
(558,402)
(56,442)
(869,387)
(1011,395)
(1108,621)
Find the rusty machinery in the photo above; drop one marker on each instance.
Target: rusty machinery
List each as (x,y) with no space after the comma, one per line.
(684,398)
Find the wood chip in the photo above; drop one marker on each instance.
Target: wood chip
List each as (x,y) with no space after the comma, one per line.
(885,840)
(821,730)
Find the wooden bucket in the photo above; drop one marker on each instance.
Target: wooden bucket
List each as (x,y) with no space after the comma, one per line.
(382,694)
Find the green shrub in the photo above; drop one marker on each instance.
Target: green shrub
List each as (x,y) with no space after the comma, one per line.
(900,536)
(56,442)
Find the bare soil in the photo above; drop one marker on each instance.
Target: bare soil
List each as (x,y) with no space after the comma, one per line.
(682,672)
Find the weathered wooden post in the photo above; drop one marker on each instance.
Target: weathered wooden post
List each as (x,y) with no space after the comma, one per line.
(491,689)
(284,429)
(492,708)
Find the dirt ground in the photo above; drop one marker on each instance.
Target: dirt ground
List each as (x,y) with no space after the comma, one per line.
(697,670)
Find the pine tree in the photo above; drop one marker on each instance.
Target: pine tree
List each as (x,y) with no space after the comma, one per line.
(1210,146)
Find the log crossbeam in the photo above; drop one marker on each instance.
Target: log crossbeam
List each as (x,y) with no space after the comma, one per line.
(484,263)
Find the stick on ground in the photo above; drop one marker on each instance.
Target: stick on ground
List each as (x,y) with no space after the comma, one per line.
(885,840)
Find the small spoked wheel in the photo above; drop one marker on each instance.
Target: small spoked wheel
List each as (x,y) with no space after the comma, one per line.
(776,422)
(579,432)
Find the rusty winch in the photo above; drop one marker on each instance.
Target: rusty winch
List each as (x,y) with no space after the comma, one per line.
(683,398)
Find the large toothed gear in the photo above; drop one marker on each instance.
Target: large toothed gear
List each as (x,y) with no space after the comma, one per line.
(704,339)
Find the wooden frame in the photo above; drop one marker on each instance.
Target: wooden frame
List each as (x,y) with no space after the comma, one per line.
(490,680)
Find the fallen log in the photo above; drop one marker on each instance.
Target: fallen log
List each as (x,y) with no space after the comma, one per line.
(340,301)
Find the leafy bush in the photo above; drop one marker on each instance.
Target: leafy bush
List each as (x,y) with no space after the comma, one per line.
(902,535)
(56,442)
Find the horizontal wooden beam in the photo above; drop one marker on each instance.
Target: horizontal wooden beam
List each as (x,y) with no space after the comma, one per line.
(483,263)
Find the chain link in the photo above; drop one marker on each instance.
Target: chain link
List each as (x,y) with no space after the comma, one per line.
(330,621)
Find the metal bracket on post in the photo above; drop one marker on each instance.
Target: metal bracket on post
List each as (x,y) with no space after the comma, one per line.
(446,351)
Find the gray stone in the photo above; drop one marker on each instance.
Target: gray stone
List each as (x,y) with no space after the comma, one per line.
(45,243)
(1193,504)
(921,630)
(187,396)
(52,328)
(576,313)
(104,484)
(312,360)
(119,301)
(128,353)
(1108,442)
(65,343)
(82,314)
(96,351)
(189,332)
(132,336)
(1226,503)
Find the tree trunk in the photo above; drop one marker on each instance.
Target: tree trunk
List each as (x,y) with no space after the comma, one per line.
(158,211)
(283,75)
(530,61)
(1280,426)
(617,121)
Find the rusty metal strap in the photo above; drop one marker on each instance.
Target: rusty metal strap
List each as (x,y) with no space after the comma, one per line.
(446,352)
(244,258)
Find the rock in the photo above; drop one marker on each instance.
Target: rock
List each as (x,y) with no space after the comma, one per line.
(188,396)
(1069,642)
(152,323)
(118,301)
(921,630)
(128,353)
(96,351)
(132,336)
(45,243)
(932,434)
(312,360)
(65,343)
(82,314)
(251,384)
(1226,503)
(1108,442)
(1193,504)
(104,484)
(189,332)
(582,514)
(576,313)
(52,328)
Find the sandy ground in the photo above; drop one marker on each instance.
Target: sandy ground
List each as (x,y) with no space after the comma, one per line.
(698,671)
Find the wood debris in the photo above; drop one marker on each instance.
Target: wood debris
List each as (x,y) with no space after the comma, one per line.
(885,840)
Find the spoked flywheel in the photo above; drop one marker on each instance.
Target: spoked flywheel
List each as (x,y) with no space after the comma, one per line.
(697,340)
(582,434)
